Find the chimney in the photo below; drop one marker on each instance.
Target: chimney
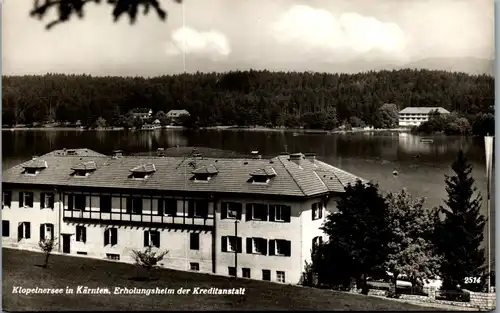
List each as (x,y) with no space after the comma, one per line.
(310,156)
(255,155)
(117,154)
(296,157)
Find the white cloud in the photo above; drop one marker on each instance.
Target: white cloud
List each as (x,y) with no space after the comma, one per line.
(211,43)
(349,35)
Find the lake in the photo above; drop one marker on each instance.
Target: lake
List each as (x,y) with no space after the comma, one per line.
(374,156)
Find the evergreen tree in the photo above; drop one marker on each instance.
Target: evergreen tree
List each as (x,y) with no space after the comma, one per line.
(460,234)
(359,232)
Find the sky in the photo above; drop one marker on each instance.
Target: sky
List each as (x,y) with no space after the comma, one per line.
(222,35)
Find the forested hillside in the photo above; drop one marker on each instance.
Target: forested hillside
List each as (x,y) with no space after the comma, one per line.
(315,100)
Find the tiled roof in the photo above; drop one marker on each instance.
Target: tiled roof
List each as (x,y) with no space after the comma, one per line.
(422,110)
(266,171)
(293,178)
(209,169)
(177,112)
(35,163)
(144,168)
(85,166)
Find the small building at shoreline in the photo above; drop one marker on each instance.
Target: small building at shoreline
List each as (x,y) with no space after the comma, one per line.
(414,116)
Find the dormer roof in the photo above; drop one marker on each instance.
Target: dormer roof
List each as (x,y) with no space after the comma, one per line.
(209,169)
(38,164)
(144,168)
(267,171)
(85,166)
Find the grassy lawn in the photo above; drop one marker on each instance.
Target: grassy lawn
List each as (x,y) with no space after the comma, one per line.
(20,269)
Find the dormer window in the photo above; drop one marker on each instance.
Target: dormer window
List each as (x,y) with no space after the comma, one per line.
(262,176)
(143,171)
(84,169)
(34,167)
(71,152)
(205,173)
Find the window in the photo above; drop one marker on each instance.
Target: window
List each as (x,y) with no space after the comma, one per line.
(279,213)
(231,244)
(152,238)
(23,230)
(110,236)
(245,272)
(195,266)
(202,177)
(31,171)
(256,211)
(46,200)
(167,207)
(80,202)
(317,210)
(266,275)
(134,205)
(260,179)
(197,208)
(81,252)
(7,198)
(257,246)
(280,276)
(279,247)
(25,199)
(5,229)
(105,204)
(81,234)
(112,256)
(231,210)
(194,241)
(46,231)
(231,270)
(316,242)
(81,173)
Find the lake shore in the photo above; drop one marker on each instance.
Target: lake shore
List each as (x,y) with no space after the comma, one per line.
(233,128)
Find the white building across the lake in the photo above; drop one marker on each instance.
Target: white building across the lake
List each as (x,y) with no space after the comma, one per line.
(414,116)
(253,217)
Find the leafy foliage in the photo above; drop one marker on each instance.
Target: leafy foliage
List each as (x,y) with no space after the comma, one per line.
(311,100)
(451,124)
(387,116)
(148,258)
(359,232)
(412,252)
(47,246)
(460,234)
(69,8)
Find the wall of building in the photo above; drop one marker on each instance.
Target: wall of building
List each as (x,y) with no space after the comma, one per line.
(35,215)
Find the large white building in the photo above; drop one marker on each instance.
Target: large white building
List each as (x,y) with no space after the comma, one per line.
(255,218)
(414,116)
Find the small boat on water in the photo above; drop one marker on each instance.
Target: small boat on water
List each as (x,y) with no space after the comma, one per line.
(295,134)
(426,140)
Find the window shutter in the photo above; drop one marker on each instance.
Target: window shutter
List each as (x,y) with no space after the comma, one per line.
(30,201)
(28,230)
(264,246)
(42,232)
(248,212)
(240,208)
(114,236)
(157,241)
(313,210)
(42,200)
(70,202)
(146,238)
(52,199)
(223,213)
(272,213)
(249,245)
(224,243)
(106,237)
(320,210)
(272,247)
(288,248)
(6,227)
(84,234)
(160,206)
(21,199)
(19,231)
(129,205)
(287,212)
(239,244)
(8,198)
(191,208)
(52,231)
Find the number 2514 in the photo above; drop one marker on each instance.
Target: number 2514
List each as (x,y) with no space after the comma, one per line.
(472,280)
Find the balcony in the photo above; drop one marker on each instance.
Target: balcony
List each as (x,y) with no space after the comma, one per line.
(120,218)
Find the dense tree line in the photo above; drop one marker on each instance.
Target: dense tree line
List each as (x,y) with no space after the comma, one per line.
(455,123)
(293,99)
(393,236)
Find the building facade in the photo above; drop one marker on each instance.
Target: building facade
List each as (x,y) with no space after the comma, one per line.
(414,116)
(254,218)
